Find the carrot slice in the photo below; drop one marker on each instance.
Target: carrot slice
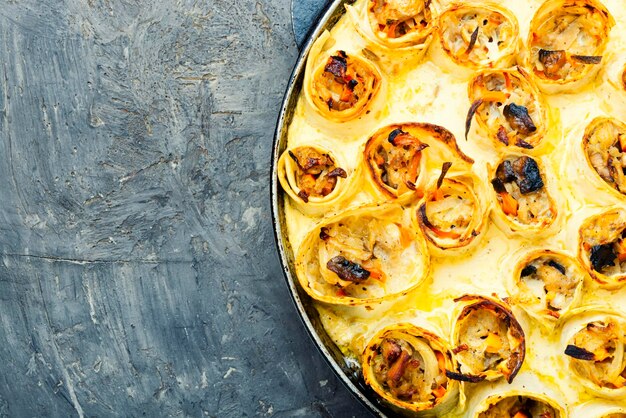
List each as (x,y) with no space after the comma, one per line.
(376,274)
(495,96)
(414,166)
(507,81)
(441,360)
(621,250)
(391,29)
(494,344)
(445,234)
(509,204)
(405,237)
(440,392)
(346,95)
(379,160)
(520,414)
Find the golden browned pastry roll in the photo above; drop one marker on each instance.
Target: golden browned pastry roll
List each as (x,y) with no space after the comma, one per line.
(397,158)
(508,108)
(406,366)
(519,404)
(340,85)
(453,213)
(567,42)
(476,35)
(523,202)
(488,342)
(593,341)
(315,179)
(362,255)
(397,32)
(604,146)
(547,284)
(602,247)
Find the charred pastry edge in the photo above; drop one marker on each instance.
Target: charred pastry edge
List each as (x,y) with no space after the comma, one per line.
(589,129)
(535,255)
(313,206)
(469,378)
(378,211)
(516,227)
(495,398)
(408,41)
(415,331)
(550,7)
(602,280)
(476,226)
(507,54)
(476,302)
(316,62)
(522,75)
(439,133)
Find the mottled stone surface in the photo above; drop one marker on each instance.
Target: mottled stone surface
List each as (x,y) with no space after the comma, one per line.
(138,273)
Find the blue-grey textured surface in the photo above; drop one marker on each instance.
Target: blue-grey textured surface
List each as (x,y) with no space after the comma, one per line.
(138,274)
(303,14)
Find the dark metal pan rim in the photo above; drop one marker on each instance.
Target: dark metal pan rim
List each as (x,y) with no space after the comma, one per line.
(304,305)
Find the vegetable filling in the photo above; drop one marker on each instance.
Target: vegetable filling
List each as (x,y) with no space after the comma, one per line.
(317,173)
(605,142)
(344,82)
(476,35)
(410,369)
(550,284)
(521,192)
(565,44)
(505,104)
(489,339)
(397,18)
(396,161)
(597,353)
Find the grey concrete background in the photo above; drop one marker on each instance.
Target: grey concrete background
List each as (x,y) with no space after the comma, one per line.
(138,273)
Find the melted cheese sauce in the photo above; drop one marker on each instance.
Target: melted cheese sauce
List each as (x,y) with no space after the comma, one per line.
(426,93)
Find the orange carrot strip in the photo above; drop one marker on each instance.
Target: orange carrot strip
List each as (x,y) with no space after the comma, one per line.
(440,392)
(405,237)
(494,344)
(441,360)
(346,94)
(379,160)
(376,274)
(507,81)
(391,29)
(445,234)
(509,204)
(495,96)
(621,250)
(414,166)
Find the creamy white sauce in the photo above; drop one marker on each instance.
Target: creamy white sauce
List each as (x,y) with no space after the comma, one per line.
(428,94)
